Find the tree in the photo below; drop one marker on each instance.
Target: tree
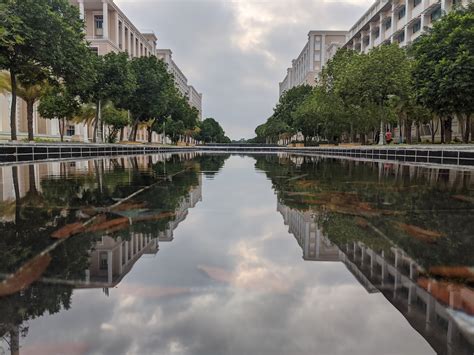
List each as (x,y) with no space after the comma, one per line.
(42,40)
(444,68)
(212,132)
(153,94)
(29,93)
(58,103)
(115,81)
(321,115)
(116,119)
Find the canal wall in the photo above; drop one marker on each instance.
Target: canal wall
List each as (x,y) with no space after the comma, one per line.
(30,152)
(461,155)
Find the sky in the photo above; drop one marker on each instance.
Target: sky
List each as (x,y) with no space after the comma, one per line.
(236,52)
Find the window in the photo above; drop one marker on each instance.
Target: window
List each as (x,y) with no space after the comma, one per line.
(376,33)
(99,24)
(388,23)
(402,12)
(70,131)
(416,3)
(417,27)
(94,50)
(401,37)
(436,14)
(103,261)
(366,41)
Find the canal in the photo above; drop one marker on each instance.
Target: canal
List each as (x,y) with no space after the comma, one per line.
(206,253)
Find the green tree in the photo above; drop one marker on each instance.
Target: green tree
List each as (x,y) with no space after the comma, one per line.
(444,69)
(30,93)
(42,40)
(116,120)
(211,132)
(114,82)
(153,94)
(321,115)
(58,103)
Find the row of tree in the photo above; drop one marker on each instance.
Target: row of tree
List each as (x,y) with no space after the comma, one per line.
(45,58)
(430,82)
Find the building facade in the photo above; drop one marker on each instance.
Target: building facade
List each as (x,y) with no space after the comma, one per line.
(194,97)
(396,21)
(319,48)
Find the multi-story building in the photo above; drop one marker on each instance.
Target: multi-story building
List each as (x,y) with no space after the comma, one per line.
(194,98)
(109,30)
(320,47)
(399,21)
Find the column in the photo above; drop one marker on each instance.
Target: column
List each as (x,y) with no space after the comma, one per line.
(371,36)
(124,37)
(126,251)
(323,50)
(407,19)
(105,24)
(381,29)
(443,5)
(109,267)
(121,257)
(394,22)
(81,9)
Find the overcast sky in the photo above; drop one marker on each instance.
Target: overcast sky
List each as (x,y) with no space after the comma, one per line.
(236,52)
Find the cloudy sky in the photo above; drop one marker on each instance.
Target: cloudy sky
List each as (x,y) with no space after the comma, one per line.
(236,52)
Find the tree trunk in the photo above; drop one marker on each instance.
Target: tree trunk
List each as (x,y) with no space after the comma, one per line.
(13,108)
(29,119)
(150,134)
(96,124)
(467,131)
(100,127)
(443,130)
(62,124)
(449,129)
(133,132)
(16,188)
(418,135)
(408,125)
(32,180)
(121,134)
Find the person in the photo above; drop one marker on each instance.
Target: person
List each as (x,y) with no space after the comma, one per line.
(388,137)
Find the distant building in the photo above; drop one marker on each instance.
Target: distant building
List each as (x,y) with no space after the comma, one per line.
(396,21)
(319,48)
(194,98)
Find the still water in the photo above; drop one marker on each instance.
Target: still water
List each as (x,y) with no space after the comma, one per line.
(228,254)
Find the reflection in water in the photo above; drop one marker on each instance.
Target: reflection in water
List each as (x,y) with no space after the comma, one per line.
(57,199)
(401,231)
(328,228)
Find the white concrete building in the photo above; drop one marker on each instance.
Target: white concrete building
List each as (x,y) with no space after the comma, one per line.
(320,47)
(399,21)
(194,97)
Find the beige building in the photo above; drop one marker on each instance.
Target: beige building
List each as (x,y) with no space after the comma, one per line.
(319,48)
(181,81)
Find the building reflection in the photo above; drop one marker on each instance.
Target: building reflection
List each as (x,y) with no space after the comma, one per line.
(432,307)
(112,259)
(36,200)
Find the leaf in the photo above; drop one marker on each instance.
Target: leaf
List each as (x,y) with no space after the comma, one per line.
(25,276)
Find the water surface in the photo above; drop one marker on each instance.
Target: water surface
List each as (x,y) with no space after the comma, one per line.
(219,254)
